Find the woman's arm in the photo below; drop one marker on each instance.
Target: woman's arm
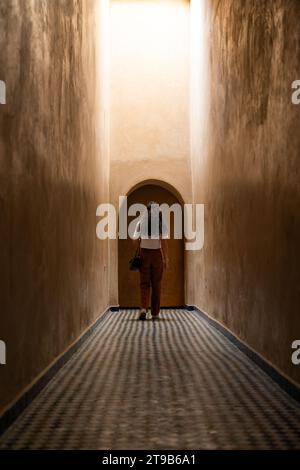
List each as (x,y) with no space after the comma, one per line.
(136,243)
(136,236)
(165,252)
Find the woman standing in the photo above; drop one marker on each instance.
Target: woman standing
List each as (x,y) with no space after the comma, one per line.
(151,234)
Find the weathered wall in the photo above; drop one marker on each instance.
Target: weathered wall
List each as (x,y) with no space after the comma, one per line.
(245,161)
(53,270)
(149,99)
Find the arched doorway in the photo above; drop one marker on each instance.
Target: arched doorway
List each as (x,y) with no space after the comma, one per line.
(173,281)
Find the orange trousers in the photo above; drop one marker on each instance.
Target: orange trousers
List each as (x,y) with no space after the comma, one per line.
(151,273)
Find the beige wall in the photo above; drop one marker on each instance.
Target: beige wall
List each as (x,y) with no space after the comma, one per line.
(245,164)
(53,176)
(150,46)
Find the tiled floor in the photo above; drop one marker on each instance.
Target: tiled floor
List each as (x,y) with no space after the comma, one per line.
(174,384)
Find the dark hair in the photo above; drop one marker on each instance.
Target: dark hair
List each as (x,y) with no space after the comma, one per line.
(149,209)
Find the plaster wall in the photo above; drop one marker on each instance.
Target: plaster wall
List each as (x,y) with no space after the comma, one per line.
(53,174)
(245,144)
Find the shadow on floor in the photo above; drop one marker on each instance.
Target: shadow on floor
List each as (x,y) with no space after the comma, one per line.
(161,320)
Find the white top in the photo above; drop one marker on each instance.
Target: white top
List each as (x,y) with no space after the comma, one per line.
(149,243)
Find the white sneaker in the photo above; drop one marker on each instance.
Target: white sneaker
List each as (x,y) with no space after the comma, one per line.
(143,314)
(154,317)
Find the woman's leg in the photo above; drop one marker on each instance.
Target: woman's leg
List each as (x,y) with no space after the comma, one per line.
(156,278)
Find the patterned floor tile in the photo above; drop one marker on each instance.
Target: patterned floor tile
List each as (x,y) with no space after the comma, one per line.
(173,384)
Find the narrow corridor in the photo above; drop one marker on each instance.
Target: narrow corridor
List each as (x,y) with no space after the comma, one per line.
(178,383)
(109,109)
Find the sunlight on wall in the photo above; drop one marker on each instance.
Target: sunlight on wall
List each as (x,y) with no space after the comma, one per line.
(199,85)
(150,79)
(102,19)
(149,22)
